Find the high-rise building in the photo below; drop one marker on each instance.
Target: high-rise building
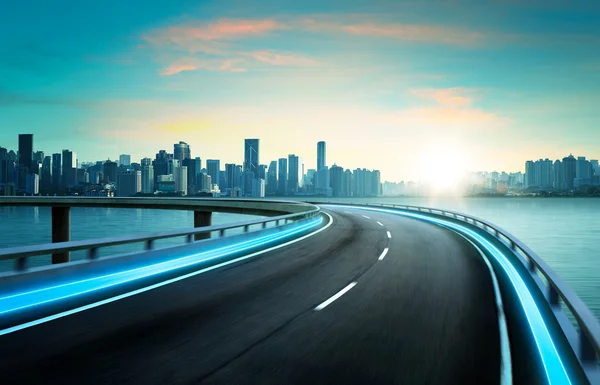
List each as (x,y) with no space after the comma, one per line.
(282,176)
(258,188)
(57,171)
(181,151)
(125,160)
(129,183)
(272,178)
(251,163)
(110,171)
(231,179)
(336,178)
(213,168)
(69,168)
(321,155)
(190,165)
(147,176)
(46,174)
(530,175)
(556,171)
(294,174)
(26,150)
(32,185)
(251,155)
(262,171)
(182,181)
(569,171)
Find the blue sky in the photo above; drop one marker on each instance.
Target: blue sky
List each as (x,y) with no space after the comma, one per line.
(392,85)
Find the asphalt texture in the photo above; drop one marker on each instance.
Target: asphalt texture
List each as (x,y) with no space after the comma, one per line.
(424,314)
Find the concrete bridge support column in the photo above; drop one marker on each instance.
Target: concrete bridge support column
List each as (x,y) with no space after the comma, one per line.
(202,219)
(61,231)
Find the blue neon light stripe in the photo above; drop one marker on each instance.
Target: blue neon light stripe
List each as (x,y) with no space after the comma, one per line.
(50,294)
(556,372)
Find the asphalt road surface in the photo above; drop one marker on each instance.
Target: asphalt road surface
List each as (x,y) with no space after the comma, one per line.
(374,299)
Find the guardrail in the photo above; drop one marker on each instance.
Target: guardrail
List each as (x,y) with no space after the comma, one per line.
(587,343)
(21,254)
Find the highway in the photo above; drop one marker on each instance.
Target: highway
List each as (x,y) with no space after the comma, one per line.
(373,299)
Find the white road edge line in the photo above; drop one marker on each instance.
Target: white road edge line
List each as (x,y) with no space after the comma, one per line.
(336,296)
(506,361)
(380,224)
(156,285)
(389,235)
(385,251)
(364,216)
(347,212)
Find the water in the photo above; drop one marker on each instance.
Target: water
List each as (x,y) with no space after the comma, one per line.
(21,226)
(565,232)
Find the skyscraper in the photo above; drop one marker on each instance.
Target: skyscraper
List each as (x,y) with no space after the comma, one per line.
(46,174)
(147,176)
(213,169)
(129,183)
(530,175)
(283,176)
(181,151)
(321,155)
(56,171)
(293,174)
(69,168)
(251,155)
(125,160)
(336,178)
(231,179)
(110,172)
(272,178)
(569,172)
(26,150)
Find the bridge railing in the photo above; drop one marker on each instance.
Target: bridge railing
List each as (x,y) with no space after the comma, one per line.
(22,253)
(586,340)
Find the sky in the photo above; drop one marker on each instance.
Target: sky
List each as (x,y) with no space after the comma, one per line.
(406,87)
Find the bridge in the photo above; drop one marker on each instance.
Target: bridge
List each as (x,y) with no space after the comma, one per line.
(310,293)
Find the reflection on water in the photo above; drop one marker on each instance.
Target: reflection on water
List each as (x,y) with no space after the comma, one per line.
(565,232)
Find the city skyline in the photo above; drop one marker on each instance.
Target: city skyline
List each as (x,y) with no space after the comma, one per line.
(393,82)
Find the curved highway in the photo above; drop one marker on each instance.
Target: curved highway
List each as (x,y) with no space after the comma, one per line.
(374,298)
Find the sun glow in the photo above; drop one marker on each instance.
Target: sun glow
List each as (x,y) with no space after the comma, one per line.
(443,168)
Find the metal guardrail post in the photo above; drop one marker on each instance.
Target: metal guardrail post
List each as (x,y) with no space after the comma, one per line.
(189,238)
(222,233)
(149,244)
(93,253)
(586,349)
(246,228)
(21,264)
(264,225)
(202,219)
(61,231)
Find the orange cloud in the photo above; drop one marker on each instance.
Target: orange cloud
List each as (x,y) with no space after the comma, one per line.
(406,32)
(206,37)
(192,64)
(277,59)
(453,97)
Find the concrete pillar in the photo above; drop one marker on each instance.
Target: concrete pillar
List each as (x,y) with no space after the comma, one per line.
(61,231)
(202,219)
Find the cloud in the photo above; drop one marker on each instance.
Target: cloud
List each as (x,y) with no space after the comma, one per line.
(278,59)
(206,37)
(453,97)
(397,31)
(192,64)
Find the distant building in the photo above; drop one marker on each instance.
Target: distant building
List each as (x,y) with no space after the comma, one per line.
(46,174)
(181,151)
(69,169)
(294,174)
(32,184)
(125,160)
(26,151)
(110,172)
(568,172)
(147,176)
(282,176)
(213,168)
(129,183)
(321,155)
(258,188)
(251,163)
(272,178)
(56,171)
